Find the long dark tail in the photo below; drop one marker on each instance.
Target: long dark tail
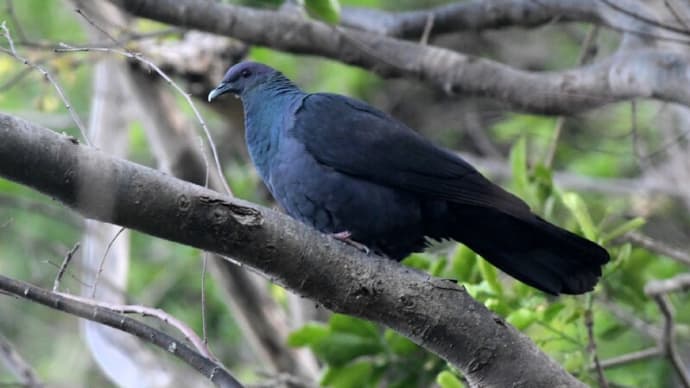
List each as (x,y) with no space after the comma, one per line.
(530,249)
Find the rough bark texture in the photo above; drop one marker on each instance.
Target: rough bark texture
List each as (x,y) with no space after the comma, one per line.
(437,314)
(632,73)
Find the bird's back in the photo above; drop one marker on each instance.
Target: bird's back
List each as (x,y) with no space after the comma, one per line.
(341,165)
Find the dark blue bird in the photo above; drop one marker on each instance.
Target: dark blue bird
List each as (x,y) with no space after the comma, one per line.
(348,169)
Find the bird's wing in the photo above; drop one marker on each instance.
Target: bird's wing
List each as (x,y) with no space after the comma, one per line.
(359,140)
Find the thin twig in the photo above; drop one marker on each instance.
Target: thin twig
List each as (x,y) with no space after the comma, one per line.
(592,345)
(138,57)
(586,54)
(642,160)
(145,311)
(13,52)
(57,301)
(630,357)
(645,19)
(17,365)
(427,29)
(204,267)
(63,266)
(668,343)
(101,265)
(9,8)
(97,27)
(676,14)
(657,246)
(632,320)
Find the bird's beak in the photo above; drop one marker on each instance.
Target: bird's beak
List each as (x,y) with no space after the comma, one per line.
(224,87)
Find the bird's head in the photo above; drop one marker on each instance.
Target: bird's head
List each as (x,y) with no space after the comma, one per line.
(241,78)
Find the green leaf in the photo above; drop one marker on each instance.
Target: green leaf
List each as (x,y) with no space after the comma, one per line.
(631,225)
(326,10)
(552,311)
(624,252)
(542,177)
(340,348)
(613,331)
(518,163)
(309,334)
(463,263)
(353,375)
(347,324)
(418,261)
(438,266)
(577,206)
(398,344)
(490,274)
(446,379)
(521,318)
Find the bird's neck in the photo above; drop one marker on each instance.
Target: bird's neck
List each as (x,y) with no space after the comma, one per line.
(267,115)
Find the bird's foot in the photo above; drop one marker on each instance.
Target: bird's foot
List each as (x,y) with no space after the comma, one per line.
(345,237)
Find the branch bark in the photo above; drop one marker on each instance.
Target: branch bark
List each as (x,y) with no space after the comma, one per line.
(209,368)
(649,73)
(435,313)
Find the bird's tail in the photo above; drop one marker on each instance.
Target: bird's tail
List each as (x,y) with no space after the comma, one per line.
(530,249)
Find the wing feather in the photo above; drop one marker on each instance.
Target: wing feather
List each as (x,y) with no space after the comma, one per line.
(357,139)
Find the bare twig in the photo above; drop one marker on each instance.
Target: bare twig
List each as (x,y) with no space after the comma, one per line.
(637,145)
(9,8)
(630,357)
(587,51)
(145,311)
(204,266)
(109,317)
(97,27)
(658,247)
(101,265)
(633,320)
(676,14)
(427,30)
(63,266)
(13,53)
(668,343)
(15,363)
(592,345)
(162,74)
(645,19)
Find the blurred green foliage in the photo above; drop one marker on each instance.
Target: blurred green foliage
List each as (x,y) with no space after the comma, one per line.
(35,232)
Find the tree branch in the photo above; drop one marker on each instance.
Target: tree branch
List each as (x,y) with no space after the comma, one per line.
(471,16)
(434,313)
(626,16)
(213,371)
(15,363)
(628,74)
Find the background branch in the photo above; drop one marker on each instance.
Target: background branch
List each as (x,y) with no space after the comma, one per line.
(213,371)
(647,73)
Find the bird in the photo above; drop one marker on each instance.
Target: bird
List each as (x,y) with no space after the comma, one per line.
(350,170)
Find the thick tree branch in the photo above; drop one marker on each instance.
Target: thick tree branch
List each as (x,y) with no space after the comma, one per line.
(435,313)
(629,74)
(478,15)
(472,15)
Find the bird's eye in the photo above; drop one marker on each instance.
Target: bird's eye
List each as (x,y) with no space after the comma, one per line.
(245,73)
